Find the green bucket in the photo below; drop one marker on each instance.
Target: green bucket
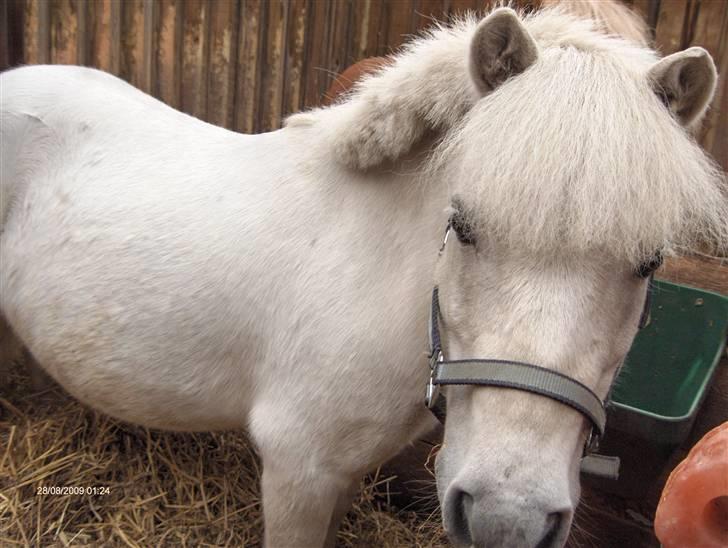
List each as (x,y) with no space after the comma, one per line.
(664,380)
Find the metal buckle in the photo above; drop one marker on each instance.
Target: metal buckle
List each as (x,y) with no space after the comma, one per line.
(433,390)
(592,442)
(444,239)
(435,357)
(431,393)
(597,465)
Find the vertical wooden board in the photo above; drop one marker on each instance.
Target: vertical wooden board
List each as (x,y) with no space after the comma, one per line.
(44,32)
(338,44)
(370,29)
(707,31)
(64,32)
(718,145)
(30,32)
(221,67)
(194,38)
(427,12)
(117,17)
(361,15)
(383,45)
(248,63)
(132,43)
(720,140)
(273,65)
(4,37)
(401,16)
(712,33)
(350,37)
(168,51)
(690,22)
(295,57)
(528,6)
(461,7)
(669,28)
(149,40)
(100,34)
(377,25)
(106,48)
(316,52)
(14,32)
(82,42)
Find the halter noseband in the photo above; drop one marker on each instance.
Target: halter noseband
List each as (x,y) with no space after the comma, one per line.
(521,376)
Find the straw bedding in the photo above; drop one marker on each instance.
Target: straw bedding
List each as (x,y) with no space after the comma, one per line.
(164,489)
(173,489)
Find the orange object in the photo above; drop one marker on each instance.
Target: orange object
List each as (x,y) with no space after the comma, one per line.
(346,80)
(693,509)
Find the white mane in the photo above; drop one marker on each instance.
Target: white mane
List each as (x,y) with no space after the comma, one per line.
(576,152)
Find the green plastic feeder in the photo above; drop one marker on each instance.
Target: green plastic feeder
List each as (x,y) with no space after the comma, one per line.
(663,383)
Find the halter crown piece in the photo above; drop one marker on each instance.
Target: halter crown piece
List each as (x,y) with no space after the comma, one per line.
(521,376)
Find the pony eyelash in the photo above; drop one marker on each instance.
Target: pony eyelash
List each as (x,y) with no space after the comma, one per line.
(648,267)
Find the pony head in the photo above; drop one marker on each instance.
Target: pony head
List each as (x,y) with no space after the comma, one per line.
(571,170)
(567,164)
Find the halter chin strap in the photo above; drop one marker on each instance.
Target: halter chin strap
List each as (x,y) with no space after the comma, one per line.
(521,376)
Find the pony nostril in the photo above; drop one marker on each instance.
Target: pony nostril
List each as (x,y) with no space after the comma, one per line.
(457,516)
(552,529)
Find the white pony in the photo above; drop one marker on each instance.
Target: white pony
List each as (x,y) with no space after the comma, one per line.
(181,276)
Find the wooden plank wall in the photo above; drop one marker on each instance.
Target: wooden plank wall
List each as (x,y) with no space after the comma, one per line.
(244,64)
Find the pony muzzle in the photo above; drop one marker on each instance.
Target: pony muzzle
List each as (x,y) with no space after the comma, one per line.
(473,517)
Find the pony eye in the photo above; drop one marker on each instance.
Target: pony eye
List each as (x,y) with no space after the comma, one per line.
(463,230)
(645,269)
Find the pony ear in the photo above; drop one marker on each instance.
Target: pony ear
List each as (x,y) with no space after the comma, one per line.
(501,48)
(686,82)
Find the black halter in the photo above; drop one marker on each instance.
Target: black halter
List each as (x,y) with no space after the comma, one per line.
(528,377)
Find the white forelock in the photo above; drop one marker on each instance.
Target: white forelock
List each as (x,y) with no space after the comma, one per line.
(579,154)
(577,151)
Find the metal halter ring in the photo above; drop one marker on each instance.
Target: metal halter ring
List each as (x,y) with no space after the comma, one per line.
(591,445)
(433,390)
(444,239)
